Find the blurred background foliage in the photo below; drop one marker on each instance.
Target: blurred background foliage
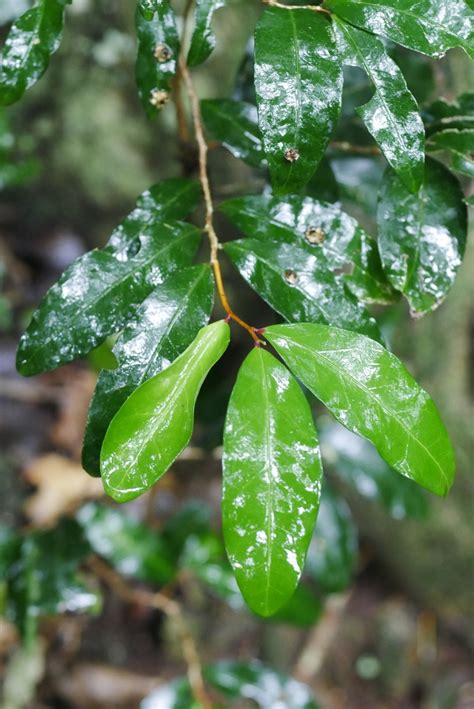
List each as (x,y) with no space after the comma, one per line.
(383,617)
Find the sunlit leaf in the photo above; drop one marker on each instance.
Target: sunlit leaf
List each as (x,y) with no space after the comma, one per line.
(163,326)
(422,237)
(203,39)
(98,294)
(334,238)
(271,470)
(370,391)
(428,26)
(298,80)
(158,50)
(32,39)
(391,116)
(156,422)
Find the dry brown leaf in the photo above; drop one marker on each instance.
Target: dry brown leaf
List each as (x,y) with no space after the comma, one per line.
(74,400)
(62,486)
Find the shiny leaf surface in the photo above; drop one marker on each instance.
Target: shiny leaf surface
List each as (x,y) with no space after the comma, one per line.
(298,80)
(173,198)
(428,26)
(371,393)
(98,294)
(163,326)
(357,463)
(158,50)
(264,687)
(324,230)
(332,554)
(422,237)
(234,124)
(203,39)
(391,116)
(271,483)
(298,285)
(156,422)
(132,548)
(460,143)
(32,39)
(444,114)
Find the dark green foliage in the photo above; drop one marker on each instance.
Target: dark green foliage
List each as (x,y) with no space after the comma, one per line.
(312,262)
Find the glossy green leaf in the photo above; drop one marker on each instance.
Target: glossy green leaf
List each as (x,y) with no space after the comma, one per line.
(251,681)
(45,579)
(371,393)
(163,326)
(356,462)
(203,40)
(391,115)
(443,114)
(460,143)
(332,554)
(32,39)
(129,546)
(337,241)
(271,483)
(234,124)
(422,237)
(98,294)
(173,198)
(298,80)
(156,422)
(158,51)
(298,285)
(428,26)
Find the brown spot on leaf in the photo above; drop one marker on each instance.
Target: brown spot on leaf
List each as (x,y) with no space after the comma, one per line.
(315,235)
(291,277)
(292,155)
(163,53)
(159,97)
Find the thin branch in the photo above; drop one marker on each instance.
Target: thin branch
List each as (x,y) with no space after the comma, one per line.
(171,609)
(206,189)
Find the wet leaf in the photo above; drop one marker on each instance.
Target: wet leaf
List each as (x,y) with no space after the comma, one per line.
(158,51)
(371,393)
(203,40)
(271,470)
(32,39)
(460,143)
(98,293)
(428,26)
(332,554)
(298,80)
(234,124)
(156,422)
(45,579)
(391,116)
(422,237)
(357,463)
(443,114)
(324,230)
(264,687)
(298,285)
(132,548)
(173,198)
(163,326)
